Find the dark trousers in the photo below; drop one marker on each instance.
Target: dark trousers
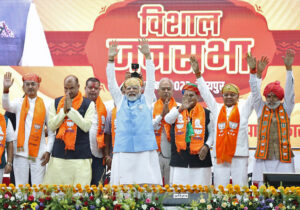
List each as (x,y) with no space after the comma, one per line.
(98,170)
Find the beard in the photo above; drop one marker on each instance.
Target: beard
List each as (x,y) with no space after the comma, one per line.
(133,98)
(273,105)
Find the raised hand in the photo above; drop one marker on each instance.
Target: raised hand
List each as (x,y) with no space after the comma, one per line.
(261,65)
(7,82)
(289,59)
(144,48)
(195,66)
(251,61)
(112,50)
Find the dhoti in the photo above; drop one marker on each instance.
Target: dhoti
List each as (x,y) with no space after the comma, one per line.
(135,168)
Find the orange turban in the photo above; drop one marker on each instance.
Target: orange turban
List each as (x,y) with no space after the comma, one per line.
(275,88)
(31,77)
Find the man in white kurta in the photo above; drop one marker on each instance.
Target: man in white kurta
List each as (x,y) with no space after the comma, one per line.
(162,130)
(274,153)
(238,168)
(135,160)
(23,162)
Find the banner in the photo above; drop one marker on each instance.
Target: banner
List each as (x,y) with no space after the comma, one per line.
(218,33)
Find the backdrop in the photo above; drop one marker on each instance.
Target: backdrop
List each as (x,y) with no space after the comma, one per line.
(218,32)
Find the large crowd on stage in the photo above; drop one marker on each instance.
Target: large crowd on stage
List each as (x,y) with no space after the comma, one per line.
(144,138)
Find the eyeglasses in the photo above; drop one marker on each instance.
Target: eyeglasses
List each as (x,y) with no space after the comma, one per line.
(33,84)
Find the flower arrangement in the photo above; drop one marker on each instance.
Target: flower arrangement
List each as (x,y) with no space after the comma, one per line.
(44,197)
(145,197)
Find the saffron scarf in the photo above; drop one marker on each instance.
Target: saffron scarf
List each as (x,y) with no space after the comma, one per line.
(37,126)
(283,125)
(227,132)
(68,129)
(158,107)
(113,125)
(2,135)
(102,113)
(197,114)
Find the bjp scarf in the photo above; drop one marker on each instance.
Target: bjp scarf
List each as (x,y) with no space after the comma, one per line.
(158,107)
(68,129)
(102,113)
(227,132)
(196,128)
(36,126)
(283,125)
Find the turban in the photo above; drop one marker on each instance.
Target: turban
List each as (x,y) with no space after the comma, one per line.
(31,77)
(192,87)
(275,88)
(231,88)
(133,81)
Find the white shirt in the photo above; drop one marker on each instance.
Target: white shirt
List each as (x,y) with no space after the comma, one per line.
(171,117)
(289,94)
(15,107)
(116,92)
(245,110)
(36,51)
(94,129)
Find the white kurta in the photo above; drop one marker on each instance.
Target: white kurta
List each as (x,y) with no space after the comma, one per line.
(165,154)
(242,147)
(22,164)
(139,167)
(261,166)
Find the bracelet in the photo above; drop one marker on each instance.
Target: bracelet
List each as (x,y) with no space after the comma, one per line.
(9,163)
(253,71)
(112,60)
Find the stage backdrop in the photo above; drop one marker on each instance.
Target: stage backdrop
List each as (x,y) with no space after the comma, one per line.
(218,32)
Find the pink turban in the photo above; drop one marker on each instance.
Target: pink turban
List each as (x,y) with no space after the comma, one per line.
(31,77)
(275,88)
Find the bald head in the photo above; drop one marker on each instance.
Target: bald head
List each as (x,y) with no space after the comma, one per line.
(71,86)
(71,77)
(165,89)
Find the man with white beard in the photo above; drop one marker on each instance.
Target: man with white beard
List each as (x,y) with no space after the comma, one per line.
(135,160)
(273,152)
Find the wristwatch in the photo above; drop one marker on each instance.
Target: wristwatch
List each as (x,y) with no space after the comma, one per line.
(9,163)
